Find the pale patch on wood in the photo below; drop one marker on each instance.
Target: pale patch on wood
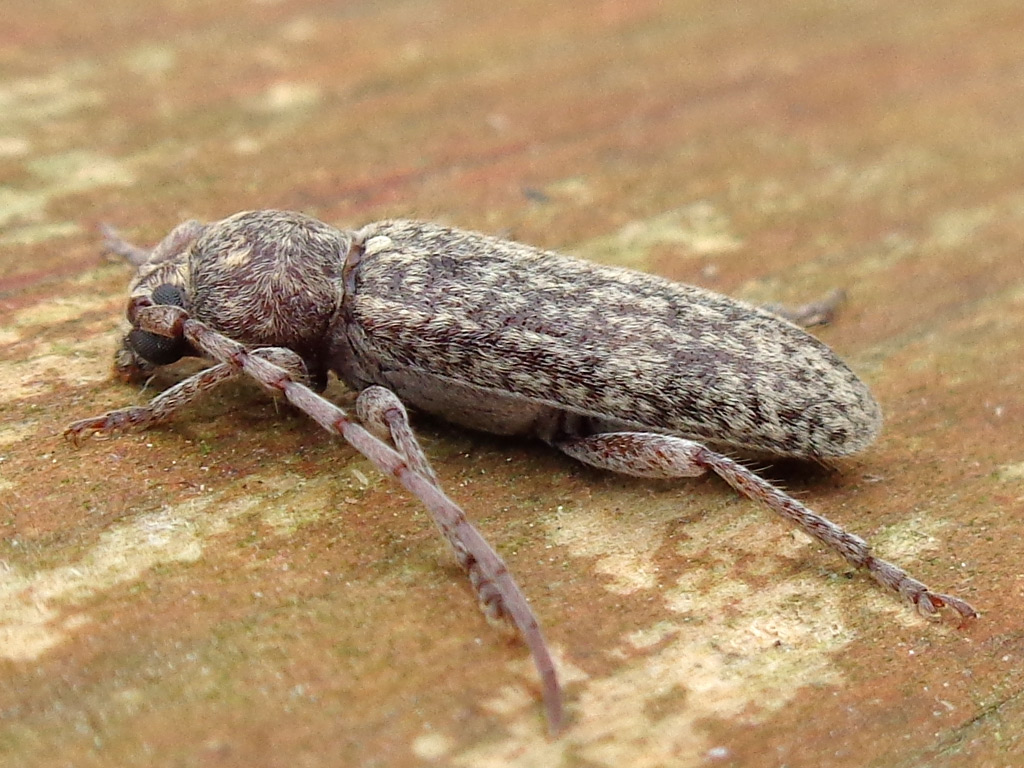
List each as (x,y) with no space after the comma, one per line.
(42,366)
(677,675)
(624,547)
(36,375)
(35,608)
(32,619)
(700,229)
(1011,473)
(432,746)
(13,433)
(727,649)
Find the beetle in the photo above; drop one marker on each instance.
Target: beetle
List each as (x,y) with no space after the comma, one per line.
(622,370)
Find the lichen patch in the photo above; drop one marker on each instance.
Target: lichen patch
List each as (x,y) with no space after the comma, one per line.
(727,647)
(37,609)
(700,229)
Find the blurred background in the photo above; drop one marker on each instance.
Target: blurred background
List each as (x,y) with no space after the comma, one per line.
(237,588)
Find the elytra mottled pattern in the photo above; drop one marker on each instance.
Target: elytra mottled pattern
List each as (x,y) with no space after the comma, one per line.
(605,342)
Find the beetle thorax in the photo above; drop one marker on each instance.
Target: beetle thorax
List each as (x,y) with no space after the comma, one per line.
(269,278)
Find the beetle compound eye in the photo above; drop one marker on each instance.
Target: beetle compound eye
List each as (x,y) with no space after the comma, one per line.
(168,293)
(157,349)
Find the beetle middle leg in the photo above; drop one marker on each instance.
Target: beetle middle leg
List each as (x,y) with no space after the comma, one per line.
(646,454)
(383,414)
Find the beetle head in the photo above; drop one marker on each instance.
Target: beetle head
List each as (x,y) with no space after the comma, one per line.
(162,277)
(141,352)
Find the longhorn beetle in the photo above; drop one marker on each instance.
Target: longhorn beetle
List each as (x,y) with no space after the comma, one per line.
(622,370)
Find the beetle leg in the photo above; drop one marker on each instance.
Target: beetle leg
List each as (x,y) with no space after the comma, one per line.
(114,243)
(157,410)
(384,416)
(820,312)
(382,413)
(494,585)
(162,407)
(651,455)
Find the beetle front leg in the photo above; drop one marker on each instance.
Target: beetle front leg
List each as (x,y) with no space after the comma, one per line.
(494,585)
(162,407)
(157,410)
(651,455)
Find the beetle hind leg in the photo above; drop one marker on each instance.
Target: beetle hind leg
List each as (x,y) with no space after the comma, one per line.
(821,312)
(644,454)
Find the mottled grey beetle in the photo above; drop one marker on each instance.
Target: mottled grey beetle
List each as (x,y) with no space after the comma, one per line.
(624,371)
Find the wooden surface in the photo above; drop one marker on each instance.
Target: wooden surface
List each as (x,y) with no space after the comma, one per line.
(237,589)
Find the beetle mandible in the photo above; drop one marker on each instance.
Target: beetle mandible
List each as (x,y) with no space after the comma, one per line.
(621,370)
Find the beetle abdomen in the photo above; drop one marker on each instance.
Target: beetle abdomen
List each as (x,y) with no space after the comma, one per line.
(603,342)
